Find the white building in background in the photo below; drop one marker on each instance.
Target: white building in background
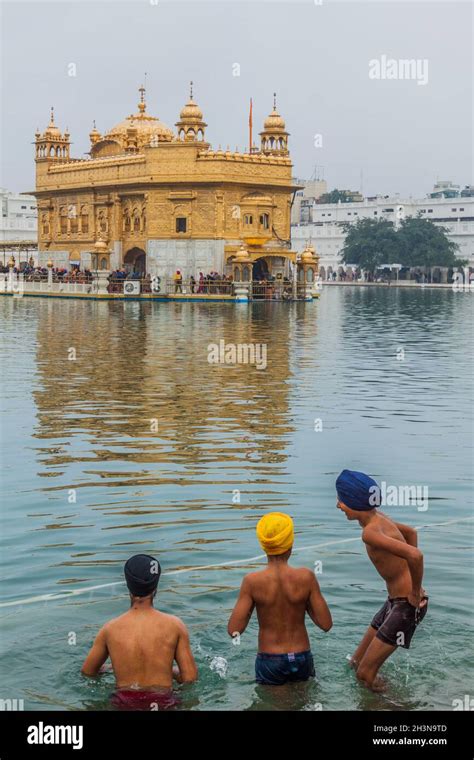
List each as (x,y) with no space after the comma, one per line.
(323,223)
(19,220)
(312,189)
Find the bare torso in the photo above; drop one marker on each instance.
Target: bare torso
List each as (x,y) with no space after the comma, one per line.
(394,570)
(281,595)
(142,645)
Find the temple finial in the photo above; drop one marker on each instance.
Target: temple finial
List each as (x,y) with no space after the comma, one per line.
(274,101)
(191,89)
(142,104)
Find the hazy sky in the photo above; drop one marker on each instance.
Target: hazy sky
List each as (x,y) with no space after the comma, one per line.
(400,134)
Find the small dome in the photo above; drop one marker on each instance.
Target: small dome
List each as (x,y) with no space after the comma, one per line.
(52,130)
(274,121)
(191,111)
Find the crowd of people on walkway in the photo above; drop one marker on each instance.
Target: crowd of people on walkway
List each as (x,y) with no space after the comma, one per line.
(32,273)
(213,282)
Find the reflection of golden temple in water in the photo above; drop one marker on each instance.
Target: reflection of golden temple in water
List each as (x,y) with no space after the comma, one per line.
(135,364)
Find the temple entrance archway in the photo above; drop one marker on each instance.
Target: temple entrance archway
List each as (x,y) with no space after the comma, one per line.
(135,260)
(260,270)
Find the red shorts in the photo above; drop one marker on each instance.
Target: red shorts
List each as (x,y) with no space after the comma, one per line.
(137,699)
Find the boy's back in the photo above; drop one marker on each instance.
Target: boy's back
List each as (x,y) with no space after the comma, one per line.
(281,595)
(143,646)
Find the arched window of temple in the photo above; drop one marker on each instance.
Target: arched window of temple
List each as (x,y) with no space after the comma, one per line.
(84,219)
(103,263)
(136,220)
(248,219)
(63,220)
(265,221)
(126,221)
(74,222)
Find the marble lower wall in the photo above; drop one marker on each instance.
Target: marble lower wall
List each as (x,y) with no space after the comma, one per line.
(164,257)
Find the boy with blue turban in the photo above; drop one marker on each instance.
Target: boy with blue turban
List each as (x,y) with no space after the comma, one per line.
(393,550)
(282,596)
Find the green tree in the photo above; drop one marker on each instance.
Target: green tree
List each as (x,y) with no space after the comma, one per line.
(370,243)
(417,242)
(334,196)
(424,244)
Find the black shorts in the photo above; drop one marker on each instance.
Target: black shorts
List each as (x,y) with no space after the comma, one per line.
(277,669)
(397,620)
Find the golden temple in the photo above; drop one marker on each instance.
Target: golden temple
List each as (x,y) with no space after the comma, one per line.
(155,200)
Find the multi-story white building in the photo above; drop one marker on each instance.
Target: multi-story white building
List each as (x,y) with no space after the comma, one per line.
(324,223)
(19,220)
(310,190)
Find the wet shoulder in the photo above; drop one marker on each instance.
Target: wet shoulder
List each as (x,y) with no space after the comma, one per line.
(171,622)
(302,575)
(389,527)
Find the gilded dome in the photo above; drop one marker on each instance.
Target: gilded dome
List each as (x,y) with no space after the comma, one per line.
(148,128)
(52,130)
(191,111)
(274,121)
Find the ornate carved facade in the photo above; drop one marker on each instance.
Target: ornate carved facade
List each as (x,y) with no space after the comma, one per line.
(161,200)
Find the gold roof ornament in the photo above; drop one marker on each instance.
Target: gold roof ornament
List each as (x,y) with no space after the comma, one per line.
(190,121)
(242,256)
(274,137)
(52,130)
(94,134)
(191,110)
(309,255)
(142,103)
(147,127)
(100,246)
(274,121)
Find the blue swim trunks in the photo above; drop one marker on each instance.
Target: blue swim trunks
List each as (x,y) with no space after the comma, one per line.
(277,669)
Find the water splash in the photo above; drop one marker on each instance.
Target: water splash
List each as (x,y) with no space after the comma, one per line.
(219,665)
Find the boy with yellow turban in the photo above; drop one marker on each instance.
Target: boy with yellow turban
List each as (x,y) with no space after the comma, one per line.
(282,595)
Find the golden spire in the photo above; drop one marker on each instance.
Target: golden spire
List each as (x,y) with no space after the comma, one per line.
(191,89)
(274,101)
(142,104)
(51,122)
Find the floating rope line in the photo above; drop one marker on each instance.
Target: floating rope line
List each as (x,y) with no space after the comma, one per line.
(232,563)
